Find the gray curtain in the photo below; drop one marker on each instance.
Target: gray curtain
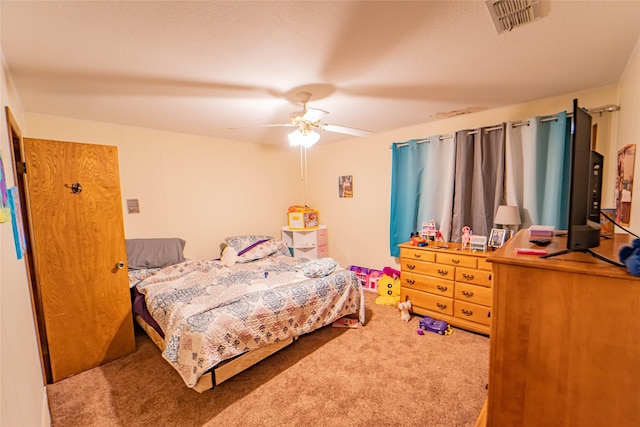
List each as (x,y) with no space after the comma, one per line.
(479,179)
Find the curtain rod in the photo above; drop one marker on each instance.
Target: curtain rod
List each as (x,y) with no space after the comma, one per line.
(604,109)
(443,137)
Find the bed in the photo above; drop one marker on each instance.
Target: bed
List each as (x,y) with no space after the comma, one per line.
(215,318)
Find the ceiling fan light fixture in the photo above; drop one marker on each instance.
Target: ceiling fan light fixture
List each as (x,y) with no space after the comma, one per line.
(306,138)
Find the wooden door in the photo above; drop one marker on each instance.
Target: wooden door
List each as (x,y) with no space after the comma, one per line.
(79,248)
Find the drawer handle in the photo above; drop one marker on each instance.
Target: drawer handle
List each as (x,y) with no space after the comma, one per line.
(467,312)
(467,294)
(443,272)
(442,288)
(455,261)
(411,266)
(411,281)
(468,276)
(441,306)
(417,255)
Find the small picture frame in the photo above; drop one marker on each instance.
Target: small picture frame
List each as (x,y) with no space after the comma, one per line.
(606,226)
(497,237)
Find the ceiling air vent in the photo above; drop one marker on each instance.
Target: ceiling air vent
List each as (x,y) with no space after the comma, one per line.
(510,14)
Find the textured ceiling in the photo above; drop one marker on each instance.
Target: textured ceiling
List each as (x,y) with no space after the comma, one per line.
(206,67)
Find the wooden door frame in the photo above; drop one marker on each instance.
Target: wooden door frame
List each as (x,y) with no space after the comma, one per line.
(18,164)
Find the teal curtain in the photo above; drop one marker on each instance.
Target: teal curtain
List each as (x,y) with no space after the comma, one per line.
(407,169)
(421,187)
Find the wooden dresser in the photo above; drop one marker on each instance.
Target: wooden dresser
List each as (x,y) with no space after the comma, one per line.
(448,284)
(565,338)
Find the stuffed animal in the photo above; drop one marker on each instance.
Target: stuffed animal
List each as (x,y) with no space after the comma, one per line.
(388,290)
(630,257)
(404,308)
(229,256)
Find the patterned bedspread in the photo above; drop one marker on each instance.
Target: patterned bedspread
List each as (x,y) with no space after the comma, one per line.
(210,313)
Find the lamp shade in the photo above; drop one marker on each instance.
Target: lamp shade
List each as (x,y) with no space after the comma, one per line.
(507,215)
(306,138)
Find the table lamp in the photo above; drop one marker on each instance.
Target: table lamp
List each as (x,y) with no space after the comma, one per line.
(508,216)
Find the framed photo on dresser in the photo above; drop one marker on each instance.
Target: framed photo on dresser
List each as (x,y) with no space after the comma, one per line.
(497,237)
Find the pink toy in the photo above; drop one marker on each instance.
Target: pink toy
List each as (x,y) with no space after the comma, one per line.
(372,280)
(391,272)
(429,230)
(466,236)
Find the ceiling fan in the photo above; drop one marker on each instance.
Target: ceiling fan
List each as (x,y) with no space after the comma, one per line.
(309,119)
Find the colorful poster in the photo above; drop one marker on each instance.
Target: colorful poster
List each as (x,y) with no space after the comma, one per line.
(13,196)
(5,212)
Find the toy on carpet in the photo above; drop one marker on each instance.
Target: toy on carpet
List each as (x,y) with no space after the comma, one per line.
(630,257)
(368,277)
(389,287)
(404,308)
(440,327)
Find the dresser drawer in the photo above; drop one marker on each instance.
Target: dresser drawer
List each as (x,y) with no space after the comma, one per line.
(429,301)
(322,235)
(473,294)
(457,260)
(427,284)
(484,265)
(472,312)
(429,269)
(477,277)
(417,254)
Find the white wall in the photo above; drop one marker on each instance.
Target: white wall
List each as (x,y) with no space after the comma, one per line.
(22,392)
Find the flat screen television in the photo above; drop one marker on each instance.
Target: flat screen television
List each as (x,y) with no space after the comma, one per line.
(585,187)
(584,193)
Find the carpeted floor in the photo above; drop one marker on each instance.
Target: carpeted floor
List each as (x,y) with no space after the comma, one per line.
(382,374)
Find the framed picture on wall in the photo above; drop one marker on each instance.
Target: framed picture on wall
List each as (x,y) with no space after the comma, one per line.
(345,186)
(497,237)
(624,184)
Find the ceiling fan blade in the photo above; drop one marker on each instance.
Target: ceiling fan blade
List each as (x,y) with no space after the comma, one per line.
(314,114)
(266,126)
(346,130)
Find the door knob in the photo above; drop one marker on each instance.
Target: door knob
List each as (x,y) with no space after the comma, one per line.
(120,265)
